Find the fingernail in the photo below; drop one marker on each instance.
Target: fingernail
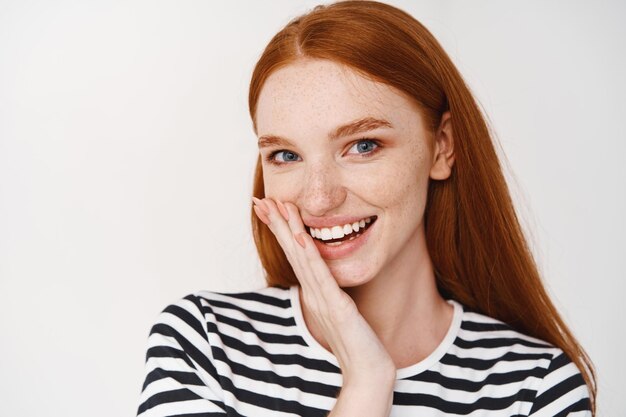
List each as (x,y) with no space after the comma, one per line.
(262,216)
(261,205)
(301,239)
(282,210)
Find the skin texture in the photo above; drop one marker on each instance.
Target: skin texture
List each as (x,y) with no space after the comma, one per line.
(387,286)
(303,103)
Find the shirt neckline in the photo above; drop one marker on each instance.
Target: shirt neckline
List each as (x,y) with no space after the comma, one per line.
(416,368)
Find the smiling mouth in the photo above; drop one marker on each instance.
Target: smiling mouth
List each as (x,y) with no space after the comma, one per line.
(336,235)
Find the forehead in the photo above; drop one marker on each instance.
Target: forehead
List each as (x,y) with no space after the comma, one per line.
(317,95)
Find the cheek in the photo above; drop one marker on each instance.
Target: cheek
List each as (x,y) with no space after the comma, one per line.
(281,186)
(400,186)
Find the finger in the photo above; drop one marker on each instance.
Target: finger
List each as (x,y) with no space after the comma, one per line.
(279,226)
(298,230)
(294,219)
(307,278)
(282,210)
(325,283)
(260,204)
(320,289)
(262,215)
(306,275)
(300,240)
(320,276)
(288,214)
(310,268)
(266,210)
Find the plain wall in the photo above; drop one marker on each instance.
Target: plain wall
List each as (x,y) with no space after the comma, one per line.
(126,160)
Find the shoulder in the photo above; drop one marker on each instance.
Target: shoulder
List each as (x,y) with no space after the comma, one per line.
(549,377)
(481,331)
(266,297)
(202,311)
(202,323)
(498,352)
(204,301)
(268,304)
(188,346)
(562,389)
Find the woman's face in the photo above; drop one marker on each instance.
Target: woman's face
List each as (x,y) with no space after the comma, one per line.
(343,148)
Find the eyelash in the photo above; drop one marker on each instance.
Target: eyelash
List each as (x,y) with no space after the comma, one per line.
(271,158)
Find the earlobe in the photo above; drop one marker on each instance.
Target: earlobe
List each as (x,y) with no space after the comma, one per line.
(443,150)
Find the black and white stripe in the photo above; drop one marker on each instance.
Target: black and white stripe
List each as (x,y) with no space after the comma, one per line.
(250,354)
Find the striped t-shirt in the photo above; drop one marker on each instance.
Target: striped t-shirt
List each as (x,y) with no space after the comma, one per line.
(251,354)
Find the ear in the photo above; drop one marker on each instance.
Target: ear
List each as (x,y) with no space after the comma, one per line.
(443,159)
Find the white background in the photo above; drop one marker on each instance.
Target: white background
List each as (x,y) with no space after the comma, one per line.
(126,159)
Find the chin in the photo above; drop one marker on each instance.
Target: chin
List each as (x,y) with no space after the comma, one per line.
(349,275)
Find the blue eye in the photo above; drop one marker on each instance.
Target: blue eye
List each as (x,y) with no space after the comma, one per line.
(283,156)
(365,146)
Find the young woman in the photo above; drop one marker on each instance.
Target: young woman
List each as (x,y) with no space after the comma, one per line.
(399,280)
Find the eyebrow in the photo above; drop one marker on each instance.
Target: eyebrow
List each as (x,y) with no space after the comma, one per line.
(362,125)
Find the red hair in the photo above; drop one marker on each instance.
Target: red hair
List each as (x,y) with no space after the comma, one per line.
(480,255)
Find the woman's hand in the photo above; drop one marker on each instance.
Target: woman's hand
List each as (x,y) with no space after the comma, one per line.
(364,361)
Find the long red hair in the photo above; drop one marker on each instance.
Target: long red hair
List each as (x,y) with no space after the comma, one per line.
(480,255)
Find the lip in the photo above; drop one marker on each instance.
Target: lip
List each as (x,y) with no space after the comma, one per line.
(345,249)
(332,221)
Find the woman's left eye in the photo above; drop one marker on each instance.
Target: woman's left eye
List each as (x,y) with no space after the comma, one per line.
(364,146)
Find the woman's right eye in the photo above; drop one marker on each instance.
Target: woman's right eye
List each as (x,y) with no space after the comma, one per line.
(282,157)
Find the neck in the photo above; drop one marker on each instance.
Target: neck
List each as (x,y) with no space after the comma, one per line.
(402,305)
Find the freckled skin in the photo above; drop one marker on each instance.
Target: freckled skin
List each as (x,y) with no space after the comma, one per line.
(306,100)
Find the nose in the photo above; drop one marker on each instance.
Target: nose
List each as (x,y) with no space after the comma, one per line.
(323,190)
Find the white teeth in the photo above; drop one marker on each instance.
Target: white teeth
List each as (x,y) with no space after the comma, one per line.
(337,232)
(326,234)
